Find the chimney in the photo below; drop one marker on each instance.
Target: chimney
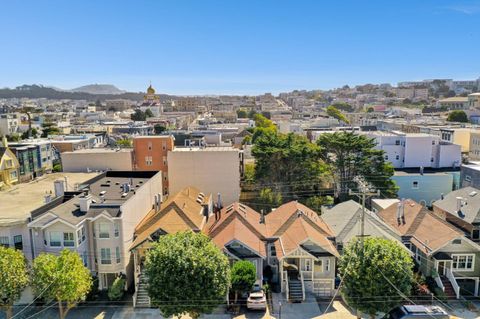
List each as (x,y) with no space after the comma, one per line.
(59,187)
(400,212)
(85,202)
(262,217)
(442,197)
(421,170)
(459,204)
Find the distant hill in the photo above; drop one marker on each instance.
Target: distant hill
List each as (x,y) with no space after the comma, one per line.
(35,91)
(99,89)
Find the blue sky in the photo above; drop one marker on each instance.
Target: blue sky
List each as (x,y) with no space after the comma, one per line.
(238,47)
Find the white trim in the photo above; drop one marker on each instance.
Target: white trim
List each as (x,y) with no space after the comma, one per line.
(463,238)
(463,269)
(58,220)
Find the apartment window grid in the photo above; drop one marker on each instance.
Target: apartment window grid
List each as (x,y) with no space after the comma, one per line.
(105,256)
(148,160)
(68,240)
(463,262)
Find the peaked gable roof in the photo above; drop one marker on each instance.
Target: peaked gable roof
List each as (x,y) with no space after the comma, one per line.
(427,231)
(470,208)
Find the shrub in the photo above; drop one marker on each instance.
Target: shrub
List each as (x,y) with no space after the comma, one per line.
(440,294)
(115,292)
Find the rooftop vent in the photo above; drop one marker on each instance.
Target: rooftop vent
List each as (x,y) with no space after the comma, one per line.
(102,193)
(473,193)
(124,195)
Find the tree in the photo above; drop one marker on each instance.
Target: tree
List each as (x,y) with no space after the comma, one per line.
(115,292)
(383,269)
(125,143)
(13,278)
(187,274)
(159,129)
(243,276)
(251,114)
(457,116)
(335,113)
(269,199)
(370,109)
(289,164)
(148,113)
(343,106)
(350,155)
(49,128)
(138,115)
(62,278)
(33,133)
(241,114)
(316,202)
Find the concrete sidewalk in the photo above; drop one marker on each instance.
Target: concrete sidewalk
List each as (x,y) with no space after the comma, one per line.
(305,310)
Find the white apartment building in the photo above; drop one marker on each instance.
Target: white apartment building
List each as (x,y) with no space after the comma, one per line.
(411,150)
(9,124)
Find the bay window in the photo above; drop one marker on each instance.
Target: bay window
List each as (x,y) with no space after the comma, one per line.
(105,256)
(103,230)
(56,238)
(68,240)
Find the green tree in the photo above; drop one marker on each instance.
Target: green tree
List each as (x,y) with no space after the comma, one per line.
(125,143)
(187,274)
(316,202)
(263,126)
(251,114)
(159,129)
(116,290)
(242,114)
(148,113)
(138,115)
(457,116)
(13,278)
(49,128)
(243,275)
(289,164)
(336,113)
(249,175)
(33,132)
(350,155)
(383,268)
(269,199)
(62,278)
(370,109)
(343,106)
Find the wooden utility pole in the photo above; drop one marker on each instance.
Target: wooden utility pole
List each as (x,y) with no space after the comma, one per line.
(362,193)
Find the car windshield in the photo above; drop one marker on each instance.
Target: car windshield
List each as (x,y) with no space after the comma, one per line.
(256,288)
(397,313)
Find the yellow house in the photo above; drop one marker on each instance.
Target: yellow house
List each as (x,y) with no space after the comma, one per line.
(8,166)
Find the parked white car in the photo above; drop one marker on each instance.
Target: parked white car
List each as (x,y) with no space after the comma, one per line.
(257,299)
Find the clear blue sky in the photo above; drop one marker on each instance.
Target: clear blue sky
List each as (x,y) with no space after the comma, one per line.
(236,46)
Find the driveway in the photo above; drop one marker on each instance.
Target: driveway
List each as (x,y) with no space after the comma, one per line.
(305,310)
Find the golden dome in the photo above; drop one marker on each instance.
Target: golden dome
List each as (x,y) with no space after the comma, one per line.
(150,90)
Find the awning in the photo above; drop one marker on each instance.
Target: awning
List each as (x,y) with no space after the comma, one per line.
(442,256)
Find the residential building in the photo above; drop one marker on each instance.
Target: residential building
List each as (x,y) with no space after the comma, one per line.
(474,100)
(344,220)
(9,166)
(98,221)
(474,145)
(151,154)
(70,143)
(214,170)
(454,103)
(19,201)
(470,174)
(411,150)
(44,151)
(29,159)
(440,250)
(97,159)
(188,209)
(412,93)
(461,208)
(9,124)
(425,186)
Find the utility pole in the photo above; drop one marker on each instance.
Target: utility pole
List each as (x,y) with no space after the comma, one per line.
(362,193)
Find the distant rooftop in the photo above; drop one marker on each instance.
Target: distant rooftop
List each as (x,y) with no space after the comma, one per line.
(205,149)
(101,150)
(18,201)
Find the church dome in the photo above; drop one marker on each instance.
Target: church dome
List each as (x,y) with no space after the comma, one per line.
(150,90)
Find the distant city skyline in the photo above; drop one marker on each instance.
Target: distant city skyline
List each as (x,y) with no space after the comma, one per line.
(249,47)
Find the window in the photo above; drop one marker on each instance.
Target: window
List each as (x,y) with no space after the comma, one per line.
(272,251)
(55,238)
(415,185)
(433,142)
(105,256)
(476,234)
(68,240)
(463,262)
(397,157)
(13,174)
(397,142)
(18,242)
(148,160)
(417,254)
(149,146)
(307,265)
(116,231)
(117,253)
(4,241)
(468,178)
(103,230)
(386,157)
(431,159)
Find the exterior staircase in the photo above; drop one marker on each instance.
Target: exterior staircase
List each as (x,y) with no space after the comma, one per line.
(143,300)
(449,291)
(295,288)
